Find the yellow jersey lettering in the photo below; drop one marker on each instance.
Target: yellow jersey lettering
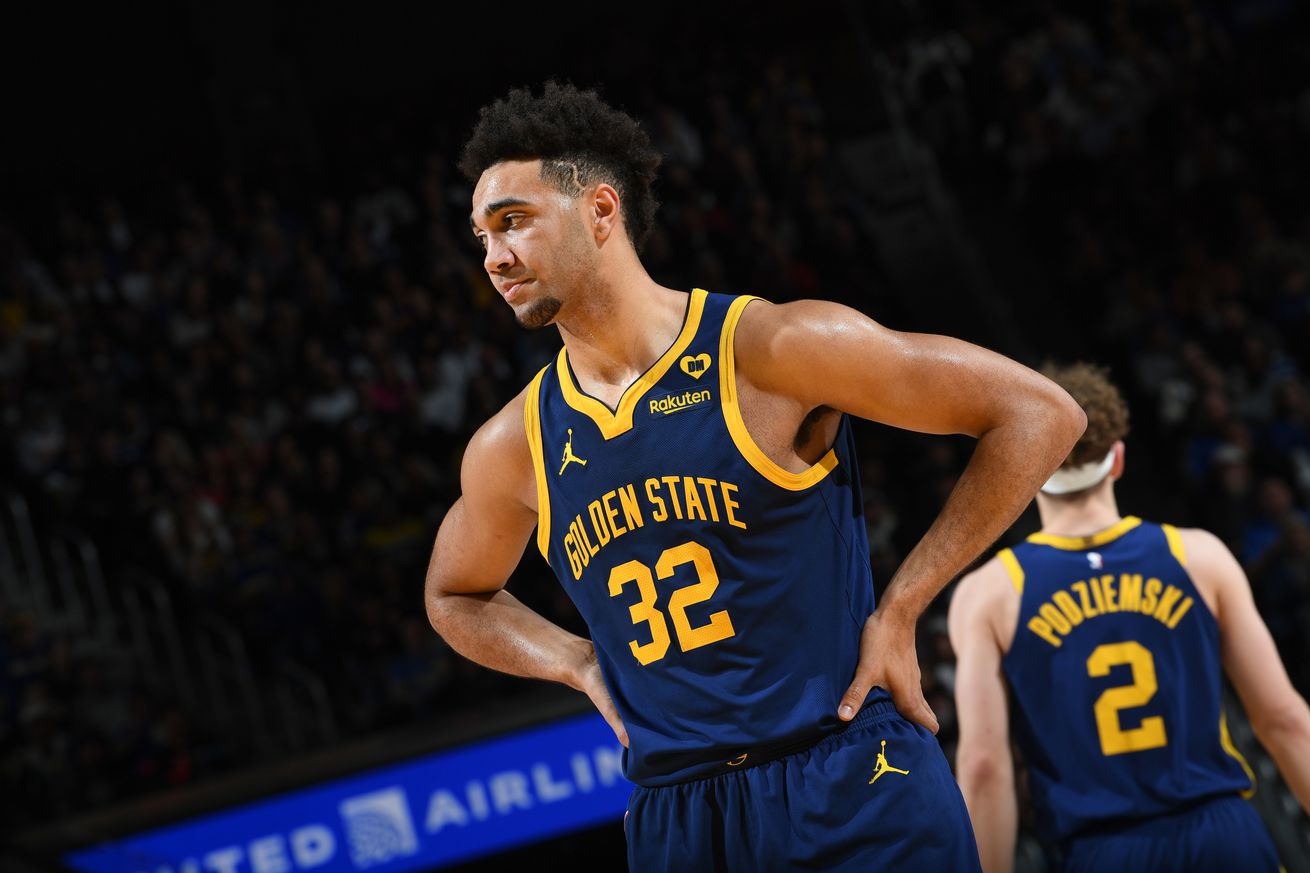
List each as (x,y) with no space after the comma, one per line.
(719,627)
(631,509)
(598,523)
(1130,592)
(671,404)
(1084,600)
(1107,585)
(612,514)
(1068,607)
(692,499)
(620,511)
(1153,588)
(1055,619)
(708,485)
(1166,605)
(1099,597)
(1179,613)
(585,552)
(581,533)
(671,484)
(575,558)
(660,512)
(1115,740)
(1043,630)
(1081,588)
(729,505)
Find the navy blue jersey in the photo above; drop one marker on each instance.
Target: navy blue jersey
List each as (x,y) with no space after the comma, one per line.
(725,595)
(1116,679)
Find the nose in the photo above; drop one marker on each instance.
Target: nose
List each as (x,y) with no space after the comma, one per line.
(499,257)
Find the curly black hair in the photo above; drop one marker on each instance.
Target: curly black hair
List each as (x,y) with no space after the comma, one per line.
(580,140)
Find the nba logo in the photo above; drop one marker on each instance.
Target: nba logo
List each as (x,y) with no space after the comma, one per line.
(378,827)
(1094,558)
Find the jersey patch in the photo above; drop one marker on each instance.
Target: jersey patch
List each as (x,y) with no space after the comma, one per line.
(670,404)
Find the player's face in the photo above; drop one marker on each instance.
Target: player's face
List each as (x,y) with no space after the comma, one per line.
(536,242)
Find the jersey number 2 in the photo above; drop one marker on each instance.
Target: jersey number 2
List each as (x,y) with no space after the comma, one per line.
(1150,734)
(719,627)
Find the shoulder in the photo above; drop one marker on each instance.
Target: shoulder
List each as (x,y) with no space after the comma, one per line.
(498,458)
(1200,546)
(981,596)
(766,326)
(1213,568)
(987,583)
(771,339)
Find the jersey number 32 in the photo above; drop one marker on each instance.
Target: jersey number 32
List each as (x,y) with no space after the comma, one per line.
(719,626)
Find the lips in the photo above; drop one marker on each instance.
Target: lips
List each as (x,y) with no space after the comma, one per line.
(509,292)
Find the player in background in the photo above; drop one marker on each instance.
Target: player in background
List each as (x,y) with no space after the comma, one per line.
(689,468)
(1110,634)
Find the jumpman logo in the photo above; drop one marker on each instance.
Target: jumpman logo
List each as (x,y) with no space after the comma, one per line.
(569,457)
(881,767)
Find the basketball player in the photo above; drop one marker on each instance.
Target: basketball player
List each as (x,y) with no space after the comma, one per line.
(690,472)
(1110,633)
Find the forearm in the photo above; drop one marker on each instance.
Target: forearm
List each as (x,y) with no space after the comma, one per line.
(497,631)
(995,816)
(1288,743)
(1009,464)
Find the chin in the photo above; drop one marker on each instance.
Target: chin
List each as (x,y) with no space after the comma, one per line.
(538,313)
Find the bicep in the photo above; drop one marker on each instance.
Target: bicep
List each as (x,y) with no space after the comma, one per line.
(478,547)
(921,382)
(1250,657)
(482,537)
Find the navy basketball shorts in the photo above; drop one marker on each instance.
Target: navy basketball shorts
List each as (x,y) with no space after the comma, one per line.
(876,796)
(1218,836)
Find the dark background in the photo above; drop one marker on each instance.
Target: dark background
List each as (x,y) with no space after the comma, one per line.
(246,336)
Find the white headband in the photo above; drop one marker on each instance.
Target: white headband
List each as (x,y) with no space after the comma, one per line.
(1067,480)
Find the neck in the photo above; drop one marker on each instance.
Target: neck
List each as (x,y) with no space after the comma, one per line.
(1082,515)
(617,329)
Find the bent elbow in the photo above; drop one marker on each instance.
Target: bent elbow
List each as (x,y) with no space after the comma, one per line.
(436,602)
(1077,420)
(1070,419)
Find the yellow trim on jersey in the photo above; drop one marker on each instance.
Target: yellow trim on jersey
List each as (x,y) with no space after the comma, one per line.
(1011,564)
(1079,544)
(741,437)
(1226,740)
(613,424)
(532,424)
(1175,543)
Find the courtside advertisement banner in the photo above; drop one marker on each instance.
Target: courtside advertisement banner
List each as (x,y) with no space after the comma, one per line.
(474,800)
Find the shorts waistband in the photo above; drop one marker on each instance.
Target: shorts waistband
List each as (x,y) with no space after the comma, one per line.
(873,712)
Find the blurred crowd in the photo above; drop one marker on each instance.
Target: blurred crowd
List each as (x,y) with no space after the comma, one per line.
(1151,158)
(258,391)
(1157,156)
(80,731)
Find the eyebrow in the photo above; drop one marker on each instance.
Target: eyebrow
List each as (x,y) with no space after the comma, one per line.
(495,206)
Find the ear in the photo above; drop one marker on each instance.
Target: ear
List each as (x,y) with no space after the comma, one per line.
(603,209)
(1117,469)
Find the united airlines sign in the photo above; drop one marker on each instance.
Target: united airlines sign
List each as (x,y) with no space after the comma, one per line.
(448,807)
